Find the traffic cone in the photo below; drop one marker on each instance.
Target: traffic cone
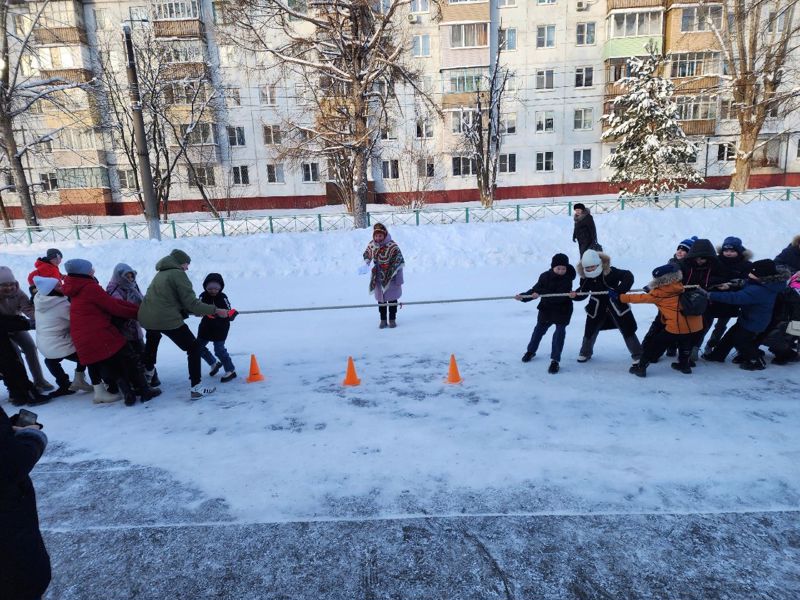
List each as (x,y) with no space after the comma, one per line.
(350,377)
(453,376)
(255,373)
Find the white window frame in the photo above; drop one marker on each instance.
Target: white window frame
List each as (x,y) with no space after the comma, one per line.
(426,167)
(471,164)
(586,30)
(542,158)
(582,75)
(699,17)
(507,163)
(583,112)
(240,173)
(581,155)
(236,136)
(506,3)
(460,121)
(543,74)
(631,26)
(543,118)
(421,45)
(275,174)
(268,95)
(543,35)
(420,7)
(424,127)
(127,179)
(460,33)
(508,124)
(203,175)
(390,169)
(729,152)
(310,172)
(273,136)
(49,181)
(507,38)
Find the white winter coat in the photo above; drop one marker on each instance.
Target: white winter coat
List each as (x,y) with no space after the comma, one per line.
(52,326)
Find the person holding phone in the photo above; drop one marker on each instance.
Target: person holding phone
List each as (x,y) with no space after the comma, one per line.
(24,563)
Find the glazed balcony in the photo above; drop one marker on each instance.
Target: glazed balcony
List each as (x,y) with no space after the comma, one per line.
(60,36)
(178,28)
(699,127)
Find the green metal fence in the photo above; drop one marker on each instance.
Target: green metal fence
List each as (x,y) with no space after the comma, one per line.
(500,213)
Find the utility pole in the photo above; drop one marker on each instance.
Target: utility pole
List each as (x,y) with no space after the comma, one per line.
(143,157)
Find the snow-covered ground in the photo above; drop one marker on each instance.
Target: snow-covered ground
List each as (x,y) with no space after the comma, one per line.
(511,439)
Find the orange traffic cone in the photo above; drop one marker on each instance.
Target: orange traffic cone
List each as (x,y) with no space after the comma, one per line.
(255,373)
(453,376)
(350,377)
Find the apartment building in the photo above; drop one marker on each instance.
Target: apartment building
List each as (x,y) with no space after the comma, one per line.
(566,57)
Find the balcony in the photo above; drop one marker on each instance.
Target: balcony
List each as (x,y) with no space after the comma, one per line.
(178,28)
(60,35)
(623,4)
(624,47)
(68,75)
(465,99)
(186,70)
(614,88)
(706,83)
(699,127)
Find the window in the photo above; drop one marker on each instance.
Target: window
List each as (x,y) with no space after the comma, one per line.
(178,9)
(471,35)
(310,172)
(201,133)
(425,167)
(772,110)
(183,51)
(138,14)
(506,3)
(241,175)
(544,161)
(272,135)
(387,132)
(546,36)
(424,128)
(701,18)
(201,176)
(583,119)
(421,45)
(390,169)
(77,139)
(545,121)
(726,152)
(462,120)
(776,22)
(728,110)
(508,38)
(510,83)
(468,80)
(582,159)
(236,136)
(187,92)
(544,79)
(694,64)
(464,166)
(545,1)
(127,179)
(101,20)
(49,181)
(692,108)
(82,178)
(275,173)
(508,123)
(420,6)
(584,77)
(507,163)
(298,6)
(634,24)
(584,34)
(268,95)
(232,97)
(60,14)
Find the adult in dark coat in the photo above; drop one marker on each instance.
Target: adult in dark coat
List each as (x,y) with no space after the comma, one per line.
(21,390)
(585,232)
(597,275)
(24,562)
(734,259)
(552,311)
(790,256)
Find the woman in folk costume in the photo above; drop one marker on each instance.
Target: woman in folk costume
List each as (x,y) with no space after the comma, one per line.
(386,280)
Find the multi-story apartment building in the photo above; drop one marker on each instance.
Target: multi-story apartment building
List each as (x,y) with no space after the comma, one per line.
(566,57)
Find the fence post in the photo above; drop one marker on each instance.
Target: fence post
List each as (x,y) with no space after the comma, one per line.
(677,200)
(733,198)
(270,224)
(467,214)
(569,208)
(174,231)
(369,220)
(30,237)
(416,216)
(622,203)
(222,226)
(517,212)
(788,194)
(77,232)
(125,230)
(319,221)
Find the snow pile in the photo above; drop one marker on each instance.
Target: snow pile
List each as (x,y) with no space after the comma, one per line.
(510,439)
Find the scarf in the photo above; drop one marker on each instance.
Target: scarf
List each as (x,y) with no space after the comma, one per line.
(386,259)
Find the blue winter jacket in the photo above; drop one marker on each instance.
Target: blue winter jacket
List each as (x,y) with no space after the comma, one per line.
(757,300)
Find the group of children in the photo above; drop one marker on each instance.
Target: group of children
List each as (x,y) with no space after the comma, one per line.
(698,285)
(77,320)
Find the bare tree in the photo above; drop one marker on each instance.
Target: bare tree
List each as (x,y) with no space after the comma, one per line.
(351,57)
(759,41)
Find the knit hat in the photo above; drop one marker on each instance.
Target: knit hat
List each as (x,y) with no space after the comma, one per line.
(180,256)
(664,270)
(6,276)
(379,227)
(591,259)
(764,268)
(559,260)
(78,266)
(579,205)
(53,253)
(44,285)
(733,243)
(687,243)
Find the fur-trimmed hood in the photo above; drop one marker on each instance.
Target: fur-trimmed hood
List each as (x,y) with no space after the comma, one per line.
(782,276)
(664,280)
(605,263)
(745,255)
(581,217)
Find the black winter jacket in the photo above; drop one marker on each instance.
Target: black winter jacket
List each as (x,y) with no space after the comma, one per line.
(214,328)
(585,232)
(554,310)
(601,312)
(708,275)
(790,256)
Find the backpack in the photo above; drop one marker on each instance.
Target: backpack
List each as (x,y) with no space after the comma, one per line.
(694,302)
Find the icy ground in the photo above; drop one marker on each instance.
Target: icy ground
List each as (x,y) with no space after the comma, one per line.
(515,484)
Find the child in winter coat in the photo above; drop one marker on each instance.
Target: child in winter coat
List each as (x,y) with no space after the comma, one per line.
(779,339)
(215,329)
(790,256)
(14,301)
(552,311)
(665,291)
(386,280)
(756,299)
(46,266)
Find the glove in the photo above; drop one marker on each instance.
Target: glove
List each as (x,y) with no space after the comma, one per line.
(646,289)
(232,313)
(613,295)
(363,269)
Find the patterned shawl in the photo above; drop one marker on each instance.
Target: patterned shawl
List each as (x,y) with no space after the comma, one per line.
(386,259)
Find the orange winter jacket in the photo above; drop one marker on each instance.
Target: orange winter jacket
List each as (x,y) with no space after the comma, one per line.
(667,299)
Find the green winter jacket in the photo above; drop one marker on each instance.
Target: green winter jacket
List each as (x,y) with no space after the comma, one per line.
(170,297)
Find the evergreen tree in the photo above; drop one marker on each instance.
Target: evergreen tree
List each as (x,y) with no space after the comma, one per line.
(652,153)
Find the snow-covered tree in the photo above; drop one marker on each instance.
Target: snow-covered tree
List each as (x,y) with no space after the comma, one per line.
(652,154)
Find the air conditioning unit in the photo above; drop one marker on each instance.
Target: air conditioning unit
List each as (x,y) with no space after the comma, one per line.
(412,18)
(581,6)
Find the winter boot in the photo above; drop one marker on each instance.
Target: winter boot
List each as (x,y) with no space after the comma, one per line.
(79,384)
(639,369)
(44,386)
(583,359)
(553,368)
(528,356)
(383,324)
(755,364)
(672,351)
(128,395)
(152,377)
(102,395)
(215,369)
(201,390)
(143,390)
(392,324)
(64,389)
(685,369)
(228,377)
(35,398)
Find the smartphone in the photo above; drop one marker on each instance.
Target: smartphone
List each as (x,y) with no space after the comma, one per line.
(26,418)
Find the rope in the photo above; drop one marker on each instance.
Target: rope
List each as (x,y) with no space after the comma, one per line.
(420,302)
